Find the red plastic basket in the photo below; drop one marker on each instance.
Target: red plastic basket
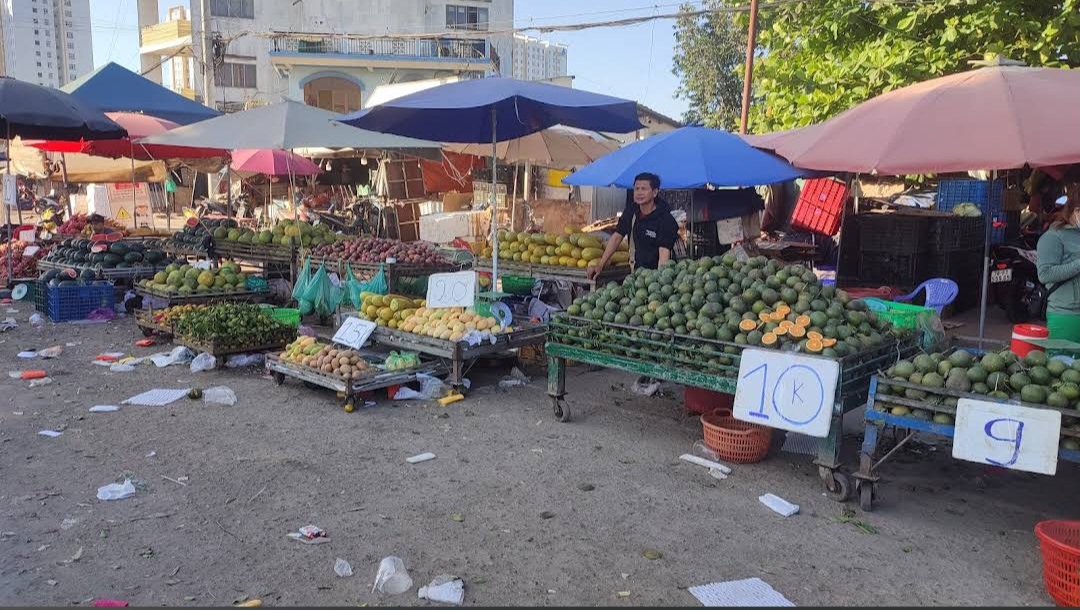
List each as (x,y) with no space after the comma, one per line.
(735,440)
(820,206)
(1060,544)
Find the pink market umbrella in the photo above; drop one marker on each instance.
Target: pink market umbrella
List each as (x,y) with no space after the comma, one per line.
(272,162)
(993,118)
(137,126)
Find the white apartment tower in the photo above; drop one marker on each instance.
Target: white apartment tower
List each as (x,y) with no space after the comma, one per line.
(327,53)
(46,42)
(536,59)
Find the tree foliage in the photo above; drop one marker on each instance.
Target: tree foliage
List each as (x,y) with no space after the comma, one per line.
(708,52)
(820,57)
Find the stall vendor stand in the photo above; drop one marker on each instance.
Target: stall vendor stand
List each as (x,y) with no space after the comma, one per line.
(612,273)
(349,390)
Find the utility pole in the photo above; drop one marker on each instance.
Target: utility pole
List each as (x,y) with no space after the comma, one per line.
(208,65)
(748,76)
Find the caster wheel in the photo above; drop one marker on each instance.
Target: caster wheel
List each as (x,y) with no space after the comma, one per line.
(838,487)
(279,378)
(867,491)
(311,386)
(349,408)
(562,412)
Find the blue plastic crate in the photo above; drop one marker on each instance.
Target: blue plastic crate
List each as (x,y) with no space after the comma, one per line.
(952,193)
(67,303)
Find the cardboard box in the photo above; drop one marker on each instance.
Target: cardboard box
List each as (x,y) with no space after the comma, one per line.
(455,202)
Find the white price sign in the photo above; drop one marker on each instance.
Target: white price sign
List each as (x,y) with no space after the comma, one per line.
(451,290)
(11,190)
(786,391)
(1010,436)
(354,332)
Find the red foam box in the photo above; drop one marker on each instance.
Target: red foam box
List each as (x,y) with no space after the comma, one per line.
(820,206)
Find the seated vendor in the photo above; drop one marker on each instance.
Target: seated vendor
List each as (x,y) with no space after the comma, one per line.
(95,224)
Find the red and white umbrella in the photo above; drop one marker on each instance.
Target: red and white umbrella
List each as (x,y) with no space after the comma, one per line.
(273,162)
(138,126)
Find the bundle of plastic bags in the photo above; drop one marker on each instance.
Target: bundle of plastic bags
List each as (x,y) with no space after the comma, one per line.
(322,293)
(300,289)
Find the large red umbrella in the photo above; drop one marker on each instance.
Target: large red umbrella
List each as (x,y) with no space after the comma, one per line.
(137,126)
(272,162)
(999,117)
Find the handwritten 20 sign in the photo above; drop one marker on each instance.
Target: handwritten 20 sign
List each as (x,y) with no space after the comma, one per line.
(1010,436)
(451,290)
(786,391)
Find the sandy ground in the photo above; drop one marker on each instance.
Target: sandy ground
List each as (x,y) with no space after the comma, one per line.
(546,513)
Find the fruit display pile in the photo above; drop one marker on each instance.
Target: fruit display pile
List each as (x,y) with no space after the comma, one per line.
(576,250)
(286,233)
(78,222)
(22,266)
(124,254)
(232,326)
(411,316)
(345,363)
(388,309)
(378,250)
(757,302)
(1033,379)
(185,280)
(169,316)
(201,235)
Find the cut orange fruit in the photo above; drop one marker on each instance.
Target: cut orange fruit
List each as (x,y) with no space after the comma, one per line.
(747,325)
(765,316)
(768,339)
(814,345)
(796,331)
(780,330)
(814,335)
(803,320)
(828,342)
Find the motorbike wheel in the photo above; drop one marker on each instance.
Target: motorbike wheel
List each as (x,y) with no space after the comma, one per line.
(1021,292)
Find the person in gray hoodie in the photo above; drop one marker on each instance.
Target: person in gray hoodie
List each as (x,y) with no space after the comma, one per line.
(1059,269)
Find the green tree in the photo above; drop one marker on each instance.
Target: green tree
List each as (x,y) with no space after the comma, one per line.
(708,51)
(821,57)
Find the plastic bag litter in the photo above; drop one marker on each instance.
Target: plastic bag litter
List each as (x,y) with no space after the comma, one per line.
(37,383)
(397,361)
(219,395)
(445,589)
(51,352)
(238,361)
(203,362)
(102,313)
(116,491)
(392,577)
(342,568)
(431,388)
(302,281)
(179,355)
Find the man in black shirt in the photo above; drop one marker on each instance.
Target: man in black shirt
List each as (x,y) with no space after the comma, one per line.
(649,224)
(653,232)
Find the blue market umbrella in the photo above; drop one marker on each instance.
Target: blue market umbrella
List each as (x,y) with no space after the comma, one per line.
(689,157)
(493,110)
(34,112)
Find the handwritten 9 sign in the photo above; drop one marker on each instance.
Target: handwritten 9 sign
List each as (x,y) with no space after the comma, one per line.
(786,391)
(1011,436)
(451,290)
(354,332)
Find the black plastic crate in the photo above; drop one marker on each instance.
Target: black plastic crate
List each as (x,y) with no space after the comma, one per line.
(904,271)
(959,265)
(949,233)
(896,233)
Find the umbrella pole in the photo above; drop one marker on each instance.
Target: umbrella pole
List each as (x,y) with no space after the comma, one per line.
(989,217)
(134,187)
(67,190)
(494,206)
(513,201)
(7,208)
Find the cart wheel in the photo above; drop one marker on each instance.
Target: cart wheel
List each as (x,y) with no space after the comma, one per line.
(279,378)
(349,408)
(866,495)
(311,386)
(562,412)
(838,486)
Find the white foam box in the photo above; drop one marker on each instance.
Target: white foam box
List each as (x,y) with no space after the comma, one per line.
(445,228)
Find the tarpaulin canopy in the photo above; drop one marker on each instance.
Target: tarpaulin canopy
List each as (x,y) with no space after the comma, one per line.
(33,163)
(688,157)
(32,111)
(282,126)
(114,88)
(558,146)
(137,126)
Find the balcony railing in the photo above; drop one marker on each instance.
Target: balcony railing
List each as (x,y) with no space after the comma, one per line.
(165,32)
(415,48)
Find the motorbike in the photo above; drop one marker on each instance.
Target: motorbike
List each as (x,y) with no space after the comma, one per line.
(1014,278)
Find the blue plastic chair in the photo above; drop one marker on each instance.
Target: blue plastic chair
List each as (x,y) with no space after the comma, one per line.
(940,292)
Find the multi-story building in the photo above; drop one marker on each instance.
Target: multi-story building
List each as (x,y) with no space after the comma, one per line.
(536,59)
(46,42)
(328,53)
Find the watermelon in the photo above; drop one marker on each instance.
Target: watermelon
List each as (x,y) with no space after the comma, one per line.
(112,259)
(133,257)
(119,248)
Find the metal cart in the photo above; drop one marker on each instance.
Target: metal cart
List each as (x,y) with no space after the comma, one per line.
(348,390)
(703,363)
(574,275)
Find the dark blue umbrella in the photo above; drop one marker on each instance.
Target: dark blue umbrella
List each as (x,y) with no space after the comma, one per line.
(34,112)
(690,157)
(493,110)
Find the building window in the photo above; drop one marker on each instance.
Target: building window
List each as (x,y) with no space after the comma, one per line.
(71,56)
(235,75)
(39,74)
(37,43)
(71,67)
(39,64)
(71,45)
(67,13)
(466,17)
(70,35)
(243,9)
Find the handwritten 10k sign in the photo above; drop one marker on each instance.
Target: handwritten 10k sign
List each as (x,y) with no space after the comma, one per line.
(786,391)
(451,290)
(1010,436)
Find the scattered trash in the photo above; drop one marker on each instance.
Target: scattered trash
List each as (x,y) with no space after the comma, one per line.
(586,486)
(52,352)
(68,523)
(145,343)
(622,594)
(35,320)
(515,379)
(35,374)
(547,514)
(748,592)
(458,517)
(237,361)
(219,395)
(156,397)
(151,454)
(110,603)
(251,603)
(451,398)
(27,355)
(392,577)
(104,408)
(77,556)
(108,357)
(310,534)
(122,367)
(50,433)
(37,383)
(179,355)
(645,388)
(848,516)
(116,491)
(716,469)
(101,314)
(431,388)
(342,568)
(203,362)
(423,457)
(779,505)
(652,555)
(445,589)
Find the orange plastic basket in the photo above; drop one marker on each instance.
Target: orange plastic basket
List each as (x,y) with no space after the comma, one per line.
(1060,543)
(734,440)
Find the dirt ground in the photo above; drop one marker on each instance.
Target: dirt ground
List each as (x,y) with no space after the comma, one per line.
(528,511)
